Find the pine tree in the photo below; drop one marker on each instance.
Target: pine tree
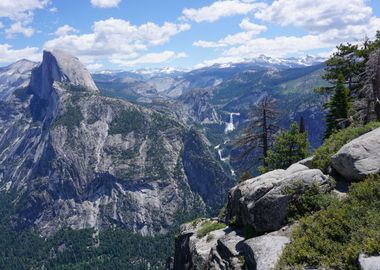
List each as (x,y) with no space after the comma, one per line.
(338,108)
(343,62)
(288,148)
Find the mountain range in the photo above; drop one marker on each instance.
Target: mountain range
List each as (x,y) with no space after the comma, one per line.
(139,150)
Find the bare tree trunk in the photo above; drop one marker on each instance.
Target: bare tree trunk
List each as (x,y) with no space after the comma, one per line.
(260,130)
(265,137)
(376,87)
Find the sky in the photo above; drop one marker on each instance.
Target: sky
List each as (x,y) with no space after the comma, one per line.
(135,34)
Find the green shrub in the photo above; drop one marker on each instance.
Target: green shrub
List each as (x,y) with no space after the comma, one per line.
(332,145)
(334,237)
(308,200)
(222,212)
(196,221)
(234,222)
(209,226)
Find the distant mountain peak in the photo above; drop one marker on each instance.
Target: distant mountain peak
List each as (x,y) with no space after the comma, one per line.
(15,76)
(59,66)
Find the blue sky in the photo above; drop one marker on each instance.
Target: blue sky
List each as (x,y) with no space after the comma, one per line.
(126,34)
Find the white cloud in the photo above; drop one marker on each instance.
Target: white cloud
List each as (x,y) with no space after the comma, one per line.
(251,30)
(221,9)
(21,10)
(1,25)
(316,16)
(208,44)
(115,38)
(150,58)
(352,33)
(105,3)
(8,54)
(65,30)
(18,28)
(252,27)
(277,47)
(220,60)
(327,23)
(53,10)
(94,67)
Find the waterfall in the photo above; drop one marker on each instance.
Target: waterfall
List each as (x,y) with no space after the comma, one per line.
(230,125)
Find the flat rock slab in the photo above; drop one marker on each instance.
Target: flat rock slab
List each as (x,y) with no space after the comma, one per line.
(264,252)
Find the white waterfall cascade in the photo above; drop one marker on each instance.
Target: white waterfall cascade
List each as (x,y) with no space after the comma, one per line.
(230,125)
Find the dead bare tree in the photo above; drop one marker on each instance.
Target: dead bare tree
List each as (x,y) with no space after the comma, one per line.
(368,104)
(260,130)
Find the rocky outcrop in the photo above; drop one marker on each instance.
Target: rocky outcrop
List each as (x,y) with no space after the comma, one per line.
(227,248)
(369,263)
(263,252)
(76,159)
(359,158)
(262,202)
(308,162)
(58,66)
(193,251)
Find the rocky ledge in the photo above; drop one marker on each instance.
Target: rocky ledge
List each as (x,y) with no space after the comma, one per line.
(255,206)
(258,214)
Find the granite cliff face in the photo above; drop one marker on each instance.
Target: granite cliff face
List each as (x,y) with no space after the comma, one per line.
(78,159)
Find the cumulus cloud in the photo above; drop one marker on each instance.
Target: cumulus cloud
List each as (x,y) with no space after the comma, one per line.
(252,27)
(21,14)
(220,60)
(251,30)
(278,46)
(95,66)
(105,3)
(65,30)
(150,58)
(115,38)
(19,28)
(220,9)
(326,22)
(8,54)
(53,10)
(21,10)
(316,15)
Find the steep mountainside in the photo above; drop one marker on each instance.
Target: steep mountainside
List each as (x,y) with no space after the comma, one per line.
(218,98)
(15,76)
(77,159)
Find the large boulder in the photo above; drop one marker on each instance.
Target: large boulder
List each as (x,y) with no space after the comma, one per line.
(369,263)
(262,202)
(264,252)
(359,158)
